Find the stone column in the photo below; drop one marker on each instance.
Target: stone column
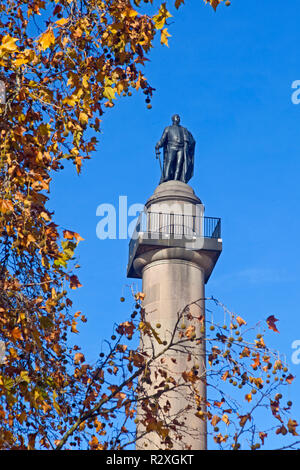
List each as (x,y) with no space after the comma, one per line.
(174,264)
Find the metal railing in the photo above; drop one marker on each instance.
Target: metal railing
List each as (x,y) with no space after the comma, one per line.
(155,225)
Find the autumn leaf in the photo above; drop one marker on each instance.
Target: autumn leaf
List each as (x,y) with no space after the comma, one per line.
(271,323)
(74,327)
(83,118)
(47,39)
(215,3)
(240,321)
(245,352)
(6,206)
(74,282)
(289,378)
(62,21)
(31,440)
(282,430)
(262,436)
(248,397)
(190,332)
(243,419)
(109,92)
(189,376)
(219,403)
(126,328)
(256,362)
(139,296)
(164,37)
(178,3)
(69,235)
(161,17)
(215,420)
(79,358)
(8,44)
(277,364)
(16,334)
(225,419)
(225,375)
(292,424)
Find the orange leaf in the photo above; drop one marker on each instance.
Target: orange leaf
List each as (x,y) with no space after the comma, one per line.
(79,357)
(140,296)
(73,327)
(16,333)
(271,323)
(190,332)
(6,206)
(262,436)
(248,397)
(240,321)
(74,282)
(69,235)
(292,424)
(225,375)
(290,378)
(282,430)
(219,403)
(256,362)
(243,419)
(215,420)
(31,441)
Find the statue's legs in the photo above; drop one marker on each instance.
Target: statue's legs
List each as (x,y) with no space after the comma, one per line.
(179,165)
(170,168)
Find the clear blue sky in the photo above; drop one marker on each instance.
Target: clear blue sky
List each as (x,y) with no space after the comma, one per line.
(229,75)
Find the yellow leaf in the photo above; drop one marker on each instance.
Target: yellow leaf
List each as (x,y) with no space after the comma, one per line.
(140,296)
(62,21)
(225,419)
(24,376)
(70,100)
(73,327)
(248,397)
(109,93)
(164,37)
(8,44)
(55,404)
(83,118)
(47,39)
(24,57)
(161,17)
(240,321)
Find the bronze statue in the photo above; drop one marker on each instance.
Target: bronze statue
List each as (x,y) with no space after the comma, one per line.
(179,148)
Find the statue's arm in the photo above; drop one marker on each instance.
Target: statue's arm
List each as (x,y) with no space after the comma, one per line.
(163,139)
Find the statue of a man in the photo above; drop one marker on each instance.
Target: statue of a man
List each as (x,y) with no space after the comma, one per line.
(179,148)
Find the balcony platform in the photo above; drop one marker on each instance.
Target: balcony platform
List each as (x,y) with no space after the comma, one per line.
(155,232)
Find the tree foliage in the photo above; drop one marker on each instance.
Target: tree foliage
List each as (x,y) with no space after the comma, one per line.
(62,63)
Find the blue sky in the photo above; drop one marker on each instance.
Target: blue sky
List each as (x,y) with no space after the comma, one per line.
(229,76)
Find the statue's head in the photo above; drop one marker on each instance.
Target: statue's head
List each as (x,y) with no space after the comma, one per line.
(176,119)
